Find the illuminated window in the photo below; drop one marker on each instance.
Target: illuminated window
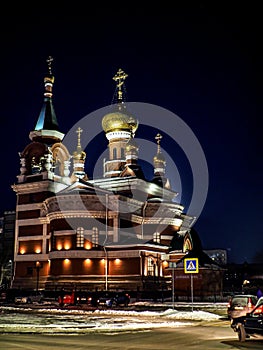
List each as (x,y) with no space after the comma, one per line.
(80,237)
(157,237)
(95,236)
(150,267)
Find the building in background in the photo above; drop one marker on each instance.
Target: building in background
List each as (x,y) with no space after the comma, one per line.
(117,232)
(218,255)
(7,235)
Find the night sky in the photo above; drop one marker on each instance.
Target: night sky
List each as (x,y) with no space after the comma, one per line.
(202,63)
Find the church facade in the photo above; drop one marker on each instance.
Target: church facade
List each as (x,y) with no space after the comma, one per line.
(117,232)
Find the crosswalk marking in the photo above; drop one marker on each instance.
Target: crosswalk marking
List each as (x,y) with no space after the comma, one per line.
(191,265)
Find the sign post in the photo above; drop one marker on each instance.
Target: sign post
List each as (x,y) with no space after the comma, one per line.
(172,265)
(191,266)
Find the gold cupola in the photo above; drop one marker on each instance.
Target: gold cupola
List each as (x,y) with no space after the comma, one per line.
(79,157)
(159,164)
(119,119)
(119,126)
(159,159)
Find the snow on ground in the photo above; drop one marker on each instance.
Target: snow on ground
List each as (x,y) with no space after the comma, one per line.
(56,320)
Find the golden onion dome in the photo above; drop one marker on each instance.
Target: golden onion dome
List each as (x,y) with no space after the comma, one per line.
(79,155)
(131,145)
(159,158)
(117,121)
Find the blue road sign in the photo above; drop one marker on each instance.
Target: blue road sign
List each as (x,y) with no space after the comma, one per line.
(191,265)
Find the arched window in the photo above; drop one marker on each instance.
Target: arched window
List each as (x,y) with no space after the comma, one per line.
(80,237)
(122,153)
(114,153)
(95,236)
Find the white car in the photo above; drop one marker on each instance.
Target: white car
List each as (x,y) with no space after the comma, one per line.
(259,302)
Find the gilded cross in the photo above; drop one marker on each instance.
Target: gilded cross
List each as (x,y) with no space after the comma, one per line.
(119,77)
(158,138)
(79,131)
(49,62)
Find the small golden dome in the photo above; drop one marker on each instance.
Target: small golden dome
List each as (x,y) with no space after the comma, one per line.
(159,158)
(116,121)
(131,145)
(79,155)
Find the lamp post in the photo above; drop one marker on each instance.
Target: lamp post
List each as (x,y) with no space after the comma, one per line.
(172,266)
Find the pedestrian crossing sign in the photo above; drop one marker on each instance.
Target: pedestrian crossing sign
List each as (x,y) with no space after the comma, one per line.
(191,265)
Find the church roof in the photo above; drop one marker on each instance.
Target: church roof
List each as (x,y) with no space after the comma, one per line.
(203,259)
(47,118)
(46,127)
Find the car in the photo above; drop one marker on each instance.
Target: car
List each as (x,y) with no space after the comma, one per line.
(122,299)
(260,301)
(251,325)
(86,298)
(66,299)
(28,298)
(110,299)
(106,299)
(240,304)
(78,298)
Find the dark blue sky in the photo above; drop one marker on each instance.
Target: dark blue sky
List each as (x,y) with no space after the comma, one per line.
(203,63)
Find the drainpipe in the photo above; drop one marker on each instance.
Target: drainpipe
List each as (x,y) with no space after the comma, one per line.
(143,217)
(106,237)
(142,259)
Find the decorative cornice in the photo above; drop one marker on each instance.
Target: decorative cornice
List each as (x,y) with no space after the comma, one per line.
(31,257)
(32,187)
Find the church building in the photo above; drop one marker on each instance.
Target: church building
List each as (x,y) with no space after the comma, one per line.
(116,232)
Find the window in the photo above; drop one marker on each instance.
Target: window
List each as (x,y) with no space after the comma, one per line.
(157,237)
(80,237)
(122,153)
(95,236)
(114,153)
(150,267)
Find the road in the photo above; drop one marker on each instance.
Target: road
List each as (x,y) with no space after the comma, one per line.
(28,328)
(202,337)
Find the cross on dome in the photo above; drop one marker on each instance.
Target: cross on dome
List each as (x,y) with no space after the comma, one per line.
(158,138)
(49,60)
(120,77)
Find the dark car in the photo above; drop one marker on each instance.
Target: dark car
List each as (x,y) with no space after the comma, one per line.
(106,299)
(86,299)
(110,299)
(239,305)
(250,325)
(29,297)
(122,299)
